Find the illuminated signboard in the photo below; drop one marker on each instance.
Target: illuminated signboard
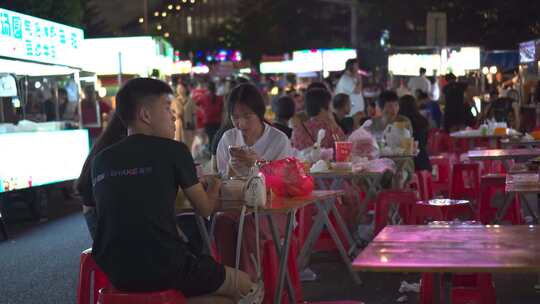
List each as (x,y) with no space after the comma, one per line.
(60,157)
(29,38)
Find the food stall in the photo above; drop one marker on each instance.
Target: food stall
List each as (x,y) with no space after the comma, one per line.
(39,98)
(437,61)
(115,60)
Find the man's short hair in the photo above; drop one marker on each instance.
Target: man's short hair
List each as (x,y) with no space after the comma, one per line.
(387,96)
(134,93)
(422,71)
(340,100)
(350,63)
(316,101)
(285,107)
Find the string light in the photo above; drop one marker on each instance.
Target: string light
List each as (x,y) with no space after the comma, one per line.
(192,1)
(156,13)
(184,1)
(159,27)
(166,35)
(178,7)
(164,14)
(141,20)
(170,7)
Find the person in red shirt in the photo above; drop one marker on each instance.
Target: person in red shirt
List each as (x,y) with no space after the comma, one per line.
(212,109)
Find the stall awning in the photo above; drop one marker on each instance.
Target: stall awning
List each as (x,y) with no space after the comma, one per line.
(33,69)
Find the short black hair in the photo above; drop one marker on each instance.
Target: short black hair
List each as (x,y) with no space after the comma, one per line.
(350,63)
(422,71)
(134,93)
(317,85)
(316,100)
(285,107)
(387,96)
(340,100)
(248,95)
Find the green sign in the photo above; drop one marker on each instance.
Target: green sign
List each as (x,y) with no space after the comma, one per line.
(30,38)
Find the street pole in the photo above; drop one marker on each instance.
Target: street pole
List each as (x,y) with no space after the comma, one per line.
(145,3)
(353,5)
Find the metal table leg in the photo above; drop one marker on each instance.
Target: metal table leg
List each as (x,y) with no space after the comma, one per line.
(283,258)
(339,245)
(279,251)
(344,229)
(313,235)
(529,208)
(506,204)
(204,234)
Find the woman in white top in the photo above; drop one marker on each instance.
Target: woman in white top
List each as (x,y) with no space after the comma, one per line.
(260,141)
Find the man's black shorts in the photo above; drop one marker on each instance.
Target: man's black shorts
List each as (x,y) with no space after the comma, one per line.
(202,275)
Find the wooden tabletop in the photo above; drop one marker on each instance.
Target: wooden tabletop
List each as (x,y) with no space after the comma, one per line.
(517,143)
(502,154)
(523,182)
(286,204)
(453,249)
(473,134)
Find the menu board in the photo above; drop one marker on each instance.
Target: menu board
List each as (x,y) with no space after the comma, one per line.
(527,52)
(30,38)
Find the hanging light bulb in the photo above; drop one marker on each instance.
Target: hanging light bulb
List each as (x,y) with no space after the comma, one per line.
(192,1)
(141,20)
(170,7)
(166,35)
(156,13)
(164,14)
(159,27)
(178,7)
(184,1)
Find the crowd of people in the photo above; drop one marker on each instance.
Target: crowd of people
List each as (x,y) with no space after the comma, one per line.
(129,183)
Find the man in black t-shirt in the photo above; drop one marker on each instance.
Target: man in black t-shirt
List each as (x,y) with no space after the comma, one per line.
(135,182)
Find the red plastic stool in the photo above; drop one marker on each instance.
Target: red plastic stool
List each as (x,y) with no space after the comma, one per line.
(425,182)
(85,290)
(112,296)
(405,201)
(465,181)
(489,185)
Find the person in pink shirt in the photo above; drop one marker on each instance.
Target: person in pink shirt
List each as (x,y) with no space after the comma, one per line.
(320,117)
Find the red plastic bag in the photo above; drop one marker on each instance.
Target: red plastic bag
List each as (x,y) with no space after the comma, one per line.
(287,177)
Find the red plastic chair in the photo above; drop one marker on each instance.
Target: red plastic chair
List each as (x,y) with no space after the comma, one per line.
(438,142)
(465,181)
(425,182)
(111,296)
(460,145)
(86,293)
(489,186)
(405,201)
(441,167)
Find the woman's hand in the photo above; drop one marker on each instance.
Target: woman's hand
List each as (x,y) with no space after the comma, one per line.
(242,160)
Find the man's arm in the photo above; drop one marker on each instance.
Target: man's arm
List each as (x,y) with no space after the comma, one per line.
(204,202)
